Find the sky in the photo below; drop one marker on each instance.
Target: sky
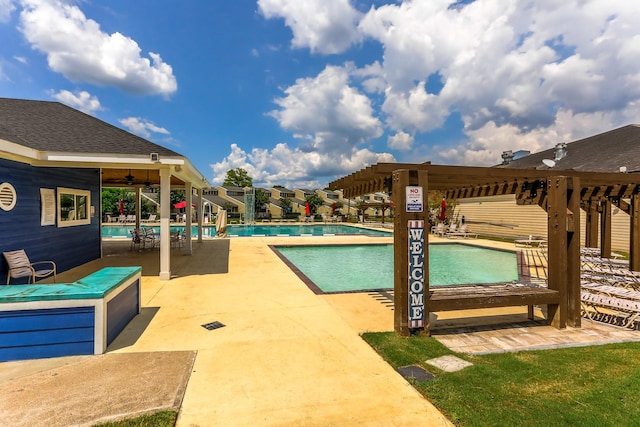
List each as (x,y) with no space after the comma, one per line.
(300,93)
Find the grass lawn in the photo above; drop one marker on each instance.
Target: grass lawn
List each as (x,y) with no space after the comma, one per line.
(582,386)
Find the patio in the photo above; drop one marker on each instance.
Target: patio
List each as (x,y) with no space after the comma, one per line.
(284,357)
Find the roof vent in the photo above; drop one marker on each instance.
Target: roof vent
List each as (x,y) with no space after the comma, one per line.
(561,150)
(7,196)
(507,157)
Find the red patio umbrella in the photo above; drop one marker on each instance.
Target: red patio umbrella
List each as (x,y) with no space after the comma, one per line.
(443,210)
(121,207)
(182,205)
(307,210)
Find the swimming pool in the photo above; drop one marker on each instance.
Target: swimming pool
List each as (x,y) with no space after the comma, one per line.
(119,231)
(357,268)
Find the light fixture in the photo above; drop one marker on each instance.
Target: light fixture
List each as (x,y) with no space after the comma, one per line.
(129,178)
(147,183)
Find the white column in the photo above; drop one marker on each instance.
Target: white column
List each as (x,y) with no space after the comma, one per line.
(188,248)
(165,210)
(200,212)
(138,205)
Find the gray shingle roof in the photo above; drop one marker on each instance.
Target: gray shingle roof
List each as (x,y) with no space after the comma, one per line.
(605,152)
(52,126)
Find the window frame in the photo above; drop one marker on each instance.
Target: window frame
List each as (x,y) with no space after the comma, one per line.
(78,219)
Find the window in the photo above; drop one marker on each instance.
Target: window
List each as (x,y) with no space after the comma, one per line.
(73,207)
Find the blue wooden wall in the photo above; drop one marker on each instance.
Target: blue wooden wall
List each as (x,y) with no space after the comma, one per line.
(20,228)
(53,332)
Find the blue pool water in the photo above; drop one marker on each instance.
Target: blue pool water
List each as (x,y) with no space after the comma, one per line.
(260,230)
(349,268)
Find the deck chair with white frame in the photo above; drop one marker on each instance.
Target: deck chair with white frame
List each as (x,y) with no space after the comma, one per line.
(20,266)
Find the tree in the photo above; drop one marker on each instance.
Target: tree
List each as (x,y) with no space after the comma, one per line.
(262,199)
(238,177)
(314,201)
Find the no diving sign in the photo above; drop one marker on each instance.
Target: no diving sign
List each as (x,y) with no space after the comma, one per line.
(414,199)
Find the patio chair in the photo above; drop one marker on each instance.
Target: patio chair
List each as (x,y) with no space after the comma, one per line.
(20,266)
(150,236)
(438,230)
(452,230)
(464,232)
(152,218)
(137,238)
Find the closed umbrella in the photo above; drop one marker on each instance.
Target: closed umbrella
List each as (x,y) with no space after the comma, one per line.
(121,207)
(221,223)
(443,210)
(307,209)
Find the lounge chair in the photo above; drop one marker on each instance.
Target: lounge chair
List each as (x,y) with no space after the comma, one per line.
(451,230)
(605,308)
(20,266)
(438,229)
(152,218)
(531,242)
(464,232)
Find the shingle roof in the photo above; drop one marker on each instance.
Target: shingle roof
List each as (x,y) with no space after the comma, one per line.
(51,126)
(605,152)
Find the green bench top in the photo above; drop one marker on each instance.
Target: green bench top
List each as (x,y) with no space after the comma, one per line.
(93,286)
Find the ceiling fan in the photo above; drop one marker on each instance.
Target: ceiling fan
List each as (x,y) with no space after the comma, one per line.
(129,178)
(147,183)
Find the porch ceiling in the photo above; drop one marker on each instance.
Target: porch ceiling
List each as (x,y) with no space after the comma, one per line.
(117,178)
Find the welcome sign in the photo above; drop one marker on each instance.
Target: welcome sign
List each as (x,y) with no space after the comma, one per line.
(416,273)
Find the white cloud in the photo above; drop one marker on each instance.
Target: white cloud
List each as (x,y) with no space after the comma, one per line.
(400,141)
(322,26)
(486,144)
(6,7)
(327,112)
(515,72)
(142,127)
(80,100)
(293,167)
(56,29)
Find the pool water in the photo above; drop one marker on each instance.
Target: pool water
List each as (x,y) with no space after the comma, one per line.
(349,268)
(260,230)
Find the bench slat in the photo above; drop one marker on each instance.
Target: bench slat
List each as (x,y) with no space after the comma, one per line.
(489,297)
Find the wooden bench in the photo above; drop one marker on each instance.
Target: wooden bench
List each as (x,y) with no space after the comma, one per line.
(490,296)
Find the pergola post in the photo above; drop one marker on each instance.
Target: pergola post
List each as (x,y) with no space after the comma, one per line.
(634,234)
(401,179)
(574,316)
(591,224)
(605,229)
(563,238)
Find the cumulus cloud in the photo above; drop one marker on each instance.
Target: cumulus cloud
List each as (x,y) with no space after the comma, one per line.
(55,28)
(292,167)
(400,141)
(80,100)
(327,112)
(142,127)
(322,26)
(6,7)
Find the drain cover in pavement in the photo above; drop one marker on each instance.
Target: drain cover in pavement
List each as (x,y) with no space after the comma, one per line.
(413,372)
(213,325)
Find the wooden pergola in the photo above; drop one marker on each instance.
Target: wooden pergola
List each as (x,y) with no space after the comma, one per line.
(560,193)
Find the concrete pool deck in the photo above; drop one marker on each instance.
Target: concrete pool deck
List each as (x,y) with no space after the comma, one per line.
(284,357)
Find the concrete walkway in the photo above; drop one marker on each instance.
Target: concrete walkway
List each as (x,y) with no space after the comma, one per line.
(284,357)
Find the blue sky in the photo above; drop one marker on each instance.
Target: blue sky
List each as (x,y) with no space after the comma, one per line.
(302,92)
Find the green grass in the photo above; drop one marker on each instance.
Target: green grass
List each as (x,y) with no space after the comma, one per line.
(158,419)
(583,386)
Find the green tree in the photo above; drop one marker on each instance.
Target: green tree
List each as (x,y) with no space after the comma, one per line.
(262,199)
(314,201)
(238,178)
